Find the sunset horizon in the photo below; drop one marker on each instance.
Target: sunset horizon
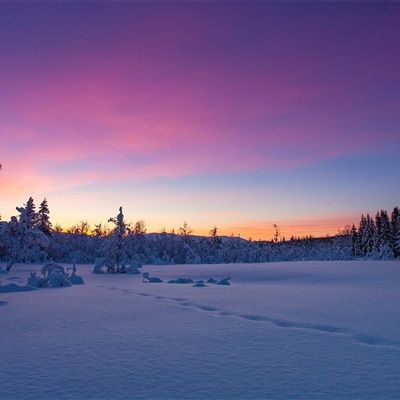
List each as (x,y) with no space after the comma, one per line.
(237,115)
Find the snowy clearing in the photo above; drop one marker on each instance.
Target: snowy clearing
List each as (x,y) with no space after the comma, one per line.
(312,330)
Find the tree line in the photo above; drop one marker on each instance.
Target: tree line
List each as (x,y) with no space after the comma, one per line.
(377,237)
(31,237)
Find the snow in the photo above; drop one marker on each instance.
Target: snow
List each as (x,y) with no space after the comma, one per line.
(12,287)
(314,330)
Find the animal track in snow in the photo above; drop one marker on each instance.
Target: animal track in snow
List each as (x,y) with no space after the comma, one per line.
(362,339)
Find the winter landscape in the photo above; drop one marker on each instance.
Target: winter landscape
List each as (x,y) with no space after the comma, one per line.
(199,200)
(315,330)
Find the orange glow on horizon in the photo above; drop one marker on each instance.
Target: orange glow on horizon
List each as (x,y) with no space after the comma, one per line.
(256,230)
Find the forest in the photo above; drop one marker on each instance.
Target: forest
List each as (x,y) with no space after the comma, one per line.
(30,237)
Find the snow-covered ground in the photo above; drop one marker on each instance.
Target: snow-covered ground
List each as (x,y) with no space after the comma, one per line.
(310,330)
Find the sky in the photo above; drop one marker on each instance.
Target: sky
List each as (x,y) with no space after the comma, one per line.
(234,114)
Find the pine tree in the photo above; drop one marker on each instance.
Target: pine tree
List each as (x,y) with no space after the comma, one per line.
(28,215)
(395,231)
(385,236)
(378,233)
(354,241)
(372,235)
(369,237)
(43,218)
(362,236)
(118,235)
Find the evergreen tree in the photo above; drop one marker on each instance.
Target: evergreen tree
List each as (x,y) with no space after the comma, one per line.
(354,241)
(117,238)
(378,233)
(362,237)
(395,231)
(28,215)
(369,236)
(385,236)
(43,219)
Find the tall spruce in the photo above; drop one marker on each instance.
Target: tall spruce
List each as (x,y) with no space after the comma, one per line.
(118,234)
(370,235)
(362,240)
(31,217)
(43,218)
(386,250)
(395,228)
(378,232)
(354,241)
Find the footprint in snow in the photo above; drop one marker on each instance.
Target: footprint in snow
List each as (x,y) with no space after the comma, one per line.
(371,340)
(286,324)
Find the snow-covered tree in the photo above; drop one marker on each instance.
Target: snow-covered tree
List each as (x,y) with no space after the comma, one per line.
(117,239)
(43,218)
(29,215)
(185,230)
(354,241)
(139,229)
(395,231)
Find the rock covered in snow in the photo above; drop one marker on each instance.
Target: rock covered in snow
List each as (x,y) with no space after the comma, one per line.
(181,280)
(56,279)
(75,279)
(35,281)
(225,281)
(54,276)
(148,278)
(199,284)
(12,287)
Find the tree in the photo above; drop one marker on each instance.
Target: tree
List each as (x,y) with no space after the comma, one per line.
(28,216)
(185,230)
(43,218)
(139,229)
(370,235)
(27,242)
(58,228)
(395,228)
(378,232)
(117,238)
(277,233)
(385,237)
(99,230)
(354,241)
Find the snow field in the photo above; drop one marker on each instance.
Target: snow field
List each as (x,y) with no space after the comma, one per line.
(315,330)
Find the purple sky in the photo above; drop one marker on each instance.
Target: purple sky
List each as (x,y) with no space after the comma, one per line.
(238,115)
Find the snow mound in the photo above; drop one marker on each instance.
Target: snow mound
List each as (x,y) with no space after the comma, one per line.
(75,279)
(181,280)
(224,281)
(12,287)
(148,278)
(199,284)
(54,276)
